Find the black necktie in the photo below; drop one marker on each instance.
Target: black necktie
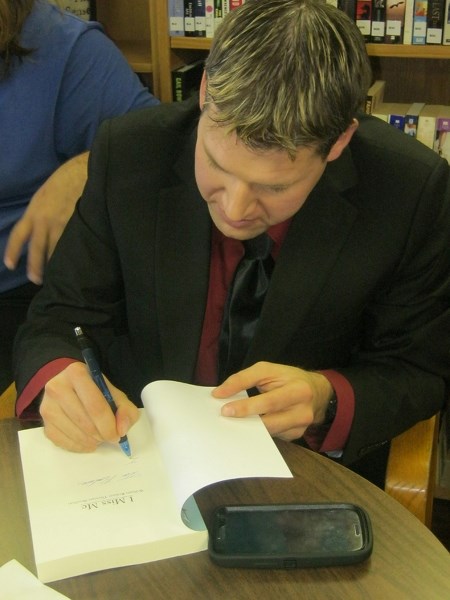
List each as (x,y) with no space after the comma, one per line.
(243,305)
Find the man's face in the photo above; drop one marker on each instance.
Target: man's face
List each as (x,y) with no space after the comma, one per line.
(248,191)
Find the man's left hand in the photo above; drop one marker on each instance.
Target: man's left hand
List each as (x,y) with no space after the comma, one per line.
(290,398)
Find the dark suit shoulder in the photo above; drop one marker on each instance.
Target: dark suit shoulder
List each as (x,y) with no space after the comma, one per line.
(145,145)
(161,120)
(381,139)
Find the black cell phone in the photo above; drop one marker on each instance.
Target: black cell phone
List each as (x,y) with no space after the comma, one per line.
(290,535)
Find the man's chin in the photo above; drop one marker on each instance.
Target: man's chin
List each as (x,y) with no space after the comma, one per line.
(241,230)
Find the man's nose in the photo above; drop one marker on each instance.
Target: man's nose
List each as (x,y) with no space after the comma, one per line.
(239,202)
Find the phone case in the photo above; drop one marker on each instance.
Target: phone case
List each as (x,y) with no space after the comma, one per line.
(323,548)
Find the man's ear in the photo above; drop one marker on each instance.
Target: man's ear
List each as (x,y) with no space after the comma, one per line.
(342,141)
(202,91)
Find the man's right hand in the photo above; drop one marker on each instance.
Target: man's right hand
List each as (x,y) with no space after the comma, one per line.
(76,415)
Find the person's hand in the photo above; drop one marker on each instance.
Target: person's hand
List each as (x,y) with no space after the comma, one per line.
(290,398)
(46,216)
(76,415)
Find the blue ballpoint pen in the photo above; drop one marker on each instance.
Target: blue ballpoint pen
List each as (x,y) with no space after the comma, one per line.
(96,374)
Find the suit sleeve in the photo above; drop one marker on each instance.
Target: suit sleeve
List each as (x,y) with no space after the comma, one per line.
(400,371)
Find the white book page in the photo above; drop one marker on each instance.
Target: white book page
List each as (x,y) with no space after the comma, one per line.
(100,510)
(199,446)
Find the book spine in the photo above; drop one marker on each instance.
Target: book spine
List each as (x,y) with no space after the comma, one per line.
(200,18)
(426,130)
(374,96)
(176,17)
(189,18)
(186,80)
(412,119)
(397,120)
(92,10)
(177,86)
(443,137)
(446,36)
(395,18)
(408,24)
(218,13)
(377,32)
(419,35)
(363,17)
(349,7)
(209,18)
(435,21)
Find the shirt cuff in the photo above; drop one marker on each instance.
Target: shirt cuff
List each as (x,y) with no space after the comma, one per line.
(337,435)
(334,438)
(24,403)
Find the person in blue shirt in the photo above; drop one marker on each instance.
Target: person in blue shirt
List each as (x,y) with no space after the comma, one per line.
(60,77)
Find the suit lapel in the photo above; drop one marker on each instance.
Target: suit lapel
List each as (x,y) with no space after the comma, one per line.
(310,250)
(182,269)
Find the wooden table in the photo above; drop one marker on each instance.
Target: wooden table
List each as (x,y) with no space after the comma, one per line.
(408,561)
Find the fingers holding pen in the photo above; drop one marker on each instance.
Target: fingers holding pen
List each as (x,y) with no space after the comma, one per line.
(76,415)
(66,421)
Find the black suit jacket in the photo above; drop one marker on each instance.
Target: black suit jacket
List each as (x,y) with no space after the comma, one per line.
(361,284)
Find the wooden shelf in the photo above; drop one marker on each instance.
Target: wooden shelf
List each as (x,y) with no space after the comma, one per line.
(384,50)
(190,43)
(409,51)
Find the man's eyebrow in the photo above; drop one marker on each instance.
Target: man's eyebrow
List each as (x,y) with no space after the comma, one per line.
(268,186)
(213,160)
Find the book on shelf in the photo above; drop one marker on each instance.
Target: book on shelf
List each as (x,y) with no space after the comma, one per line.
(419,35)
(176,17)
(395,18)
(412,118)
(363,17)
(200,18)
(90,512)
(374,96)
(349,7)
(393,113)
(209,18)
(426,128)
(435,21)
(408,22)
(446,33)
(186,80)
(189,18)
(378,27)
(85,9)
(442,141)
(218,13)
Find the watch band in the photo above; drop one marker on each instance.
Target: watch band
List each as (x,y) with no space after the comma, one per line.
(331,411)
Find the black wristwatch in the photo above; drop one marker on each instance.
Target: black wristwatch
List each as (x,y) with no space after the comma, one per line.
(331,411)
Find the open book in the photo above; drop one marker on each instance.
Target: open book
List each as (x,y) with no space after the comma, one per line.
(90,512)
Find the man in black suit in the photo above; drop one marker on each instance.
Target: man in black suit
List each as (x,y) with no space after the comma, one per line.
(352,344)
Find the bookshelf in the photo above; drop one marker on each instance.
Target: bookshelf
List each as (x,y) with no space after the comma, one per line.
(412,73)
(141,30)
(131,25)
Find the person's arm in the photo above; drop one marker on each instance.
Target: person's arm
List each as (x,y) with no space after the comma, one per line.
(46,216)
